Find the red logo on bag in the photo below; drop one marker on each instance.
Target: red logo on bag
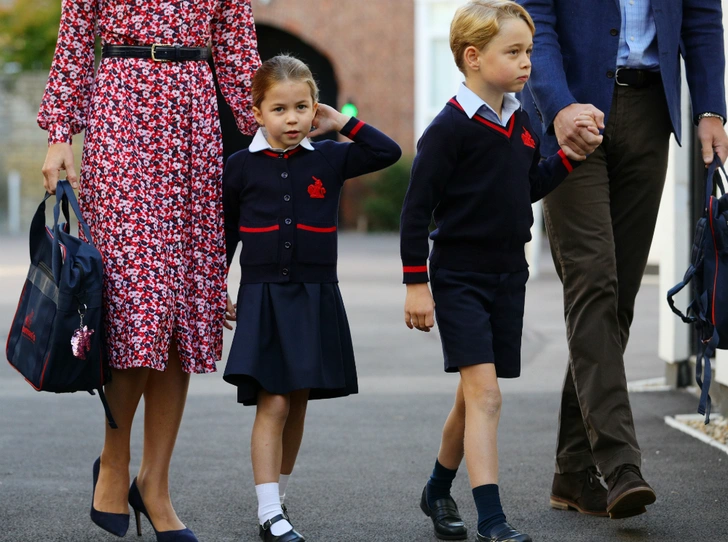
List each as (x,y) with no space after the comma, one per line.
(317,189)
(27,333)
(528,140)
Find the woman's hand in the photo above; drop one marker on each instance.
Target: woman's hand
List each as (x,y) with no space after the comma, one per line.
(327,120)
(59,157)
(419,307)
(230,313)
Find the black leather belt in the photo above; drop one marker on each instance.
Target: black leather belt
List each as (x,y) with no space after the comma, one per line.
(157,52)
(626,77)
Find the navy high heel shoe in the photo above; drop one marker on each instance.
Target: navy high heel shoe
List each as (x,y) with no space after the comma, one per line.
(116,524)
(136,502)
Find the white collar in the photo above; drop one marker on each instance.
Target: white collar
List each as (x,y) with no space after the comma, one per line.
(471,103)
(260,143)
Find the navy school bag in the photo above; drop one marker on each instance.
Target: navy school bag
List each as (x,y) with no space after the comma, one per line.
(708,272)
(55,339)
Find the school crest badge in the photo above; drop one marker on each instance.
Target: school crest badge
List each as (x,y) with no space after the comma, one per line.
(316,190)
(528,140)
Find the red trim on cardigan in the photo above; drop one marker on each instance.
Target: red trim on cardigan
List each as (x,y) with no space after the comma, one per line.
(315,229)
(287,154)
(565,161)
(356,128)
(415,269)
(259,230)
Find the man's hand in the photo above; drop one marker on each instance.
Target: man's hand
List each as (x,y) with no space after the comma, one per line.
(578,141)
(419,307)
(713,139)
(59,156)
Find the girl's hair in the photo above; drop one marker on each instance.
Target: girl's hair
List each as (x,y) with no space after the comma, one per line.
(278,69)
(478,21)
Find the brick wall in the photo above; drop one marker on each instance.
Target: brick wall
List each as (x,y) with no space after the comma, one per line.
(371,46)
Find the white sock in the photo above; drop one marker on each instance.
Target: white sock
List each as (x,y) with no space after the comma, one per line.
(269,506)
(282,483)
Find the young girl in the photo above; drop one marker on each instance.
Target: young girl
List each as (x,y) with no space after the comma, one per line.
(478,168)
(281,198)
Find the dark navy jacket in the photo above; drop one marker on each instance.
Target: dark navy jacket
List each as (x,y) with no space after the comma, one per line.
(284,206)
(480,179)
(575,56)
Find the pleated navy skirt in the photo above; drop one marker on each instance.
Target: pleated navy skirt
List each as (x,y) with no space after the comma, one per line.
(291,337)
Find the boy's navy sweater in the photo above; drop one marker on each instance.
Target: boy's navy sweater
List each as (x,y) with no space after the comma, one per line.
(480,179)
(284,206)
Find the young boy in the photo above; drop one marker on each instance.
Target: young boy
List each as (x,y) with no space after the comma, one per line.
(478,167)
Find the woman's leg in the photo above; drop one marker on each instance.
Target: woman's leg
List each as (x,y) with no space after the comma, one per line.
(123,393)
(293,430)
(164,403)
(483,406)
(452,445)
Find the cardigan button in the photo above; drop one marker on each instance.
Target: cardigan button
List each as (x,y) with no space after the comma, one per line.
(284,174)
(614,32)
(288,221)
(284,272)
(287,244)
(287,197)
(610,74)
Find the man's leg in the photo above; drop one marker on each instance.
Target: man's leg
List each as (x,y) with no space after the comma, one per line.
(579,223)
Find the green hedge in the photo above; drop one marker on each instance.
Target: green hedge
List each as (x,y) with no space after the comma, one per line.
(384,204)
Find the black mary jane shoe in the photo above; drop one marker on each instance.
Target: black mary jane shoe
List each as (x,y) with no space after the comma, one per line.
(503,532)
(289,536)
(445,518)
(285,516)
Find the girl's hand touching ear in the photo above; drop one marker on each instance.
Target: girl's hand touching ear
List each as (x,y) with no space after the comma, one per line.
(327,120)
(230,313)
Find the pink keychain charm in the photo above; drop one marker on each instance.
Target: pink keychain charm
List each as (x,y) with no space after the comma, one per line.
(81,340)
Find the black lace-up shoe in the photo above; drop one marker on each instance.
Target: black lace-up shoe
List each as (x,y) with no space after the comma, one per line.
(628,493)
(503,532)
(445,518)
(581,491)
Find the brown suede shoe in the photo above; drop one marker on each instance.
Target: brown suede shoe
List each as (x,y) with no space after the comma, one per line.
(628,492)
(580,491)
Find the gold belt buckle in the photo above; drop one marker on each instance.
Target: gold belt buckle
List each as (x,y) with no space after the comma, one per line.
(154,51)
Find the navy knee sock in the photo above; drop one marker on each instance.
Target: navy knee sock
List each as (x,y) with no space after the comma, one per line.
(490,511)
(438,487)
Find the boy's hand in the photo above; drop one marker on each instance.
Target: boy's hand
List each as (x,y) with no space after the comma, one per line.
(587,121)
(419,307)
(230,314)
(576,141)
(327,120)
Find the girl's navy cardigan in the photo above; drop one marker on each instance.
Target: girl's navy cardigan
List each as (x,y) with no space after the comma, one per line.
(480,179)
(284,206)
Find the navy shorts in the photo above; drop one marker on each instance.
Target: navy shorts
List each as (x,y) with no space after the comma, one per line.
(480,318)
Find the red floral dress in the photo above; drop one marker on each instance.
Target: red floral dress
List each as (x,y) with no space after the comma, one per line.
(151,178)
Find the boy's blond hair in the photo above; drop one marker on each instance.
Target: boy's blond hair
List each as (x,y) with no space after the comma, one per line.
(478,21)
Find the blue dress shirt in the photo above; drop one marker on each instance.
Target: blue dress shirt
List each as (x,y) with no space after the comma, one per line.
(638,36)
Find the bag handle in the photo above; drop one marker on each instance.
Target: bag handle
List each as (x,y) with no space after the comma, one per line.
(712,180)
(689,274)
(64,193)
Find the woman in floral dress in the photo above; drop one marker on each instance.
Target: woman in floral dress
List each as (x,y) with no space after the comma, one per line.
(151,192)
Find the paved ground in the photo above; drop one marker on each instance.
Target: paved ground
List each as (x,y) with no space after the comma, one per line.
(364,459)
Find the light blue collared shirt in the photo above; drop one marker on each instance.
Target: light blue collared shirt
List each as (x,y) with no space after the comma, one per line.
(260,143)
(472,104)
(638,36)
